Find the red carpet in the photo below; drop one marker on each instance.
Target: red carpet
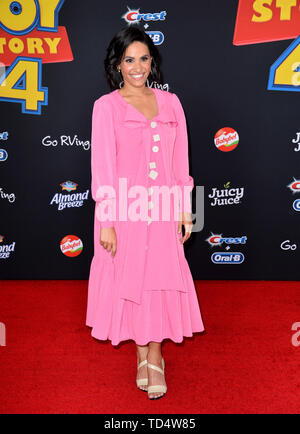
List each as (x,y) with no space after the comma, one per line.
(243,363)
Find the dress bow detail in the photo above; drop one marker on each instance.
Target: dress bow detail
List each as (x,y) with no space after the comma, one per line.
(134,118)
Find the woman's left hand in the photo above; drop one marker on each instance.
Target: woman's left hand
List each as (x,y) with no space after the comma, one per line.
(186,220)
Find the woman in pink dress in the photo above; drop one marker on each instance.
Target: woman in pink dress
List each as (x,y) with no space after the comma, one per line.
(140,284)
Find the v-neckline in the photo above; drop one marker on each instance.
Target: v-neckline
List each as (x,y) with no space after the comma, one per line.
(157,104)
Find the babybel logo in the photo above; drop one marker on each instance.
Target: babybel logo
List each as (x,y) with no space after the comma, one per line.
(226,139)
(226,196)
(71,245)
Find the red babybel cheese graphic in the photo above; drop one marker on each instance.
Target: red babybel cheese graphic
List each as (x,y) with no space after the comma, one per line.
(226,139)
(266,21)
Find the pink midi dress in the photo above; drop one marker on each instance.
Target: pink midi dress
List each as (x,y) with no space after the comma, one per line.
(146,292)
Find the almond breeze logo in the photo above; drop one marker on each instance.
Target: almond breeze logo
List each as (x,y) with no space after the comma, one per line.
(226,196)
(69,200)
(3,155)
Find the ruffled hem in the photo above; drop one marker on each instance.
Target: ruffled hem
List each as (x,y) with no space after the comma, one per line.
(172,338)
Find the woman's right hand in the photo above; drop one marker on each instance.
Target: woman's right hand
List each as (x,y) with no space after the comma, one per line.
(108,240)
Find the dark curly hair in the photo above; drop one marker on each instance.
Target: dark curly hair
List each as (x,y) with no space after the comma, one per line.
(117,48)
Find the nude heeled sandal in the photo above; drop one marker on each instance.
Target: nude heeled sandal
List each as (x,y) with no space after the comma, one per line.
(157,387)
(142,381)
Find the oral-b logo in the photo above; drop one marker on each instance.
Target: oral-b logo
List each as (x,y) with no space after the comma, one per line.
(3,155)
(227,258)
(157,37)
(296,205)
(226,196)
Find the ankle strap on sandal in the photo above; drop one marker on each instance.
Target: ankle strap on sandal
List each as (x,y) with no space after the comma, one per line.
(144,362)
(156,368)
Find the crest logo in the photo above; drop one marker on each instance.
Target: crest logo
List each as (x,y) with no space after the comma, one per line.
(226,139)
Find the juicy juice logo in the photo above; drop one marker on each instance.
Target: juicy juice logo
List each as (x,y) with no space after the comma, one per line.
(71,245)
(30,36)
(226,196)
(226,139)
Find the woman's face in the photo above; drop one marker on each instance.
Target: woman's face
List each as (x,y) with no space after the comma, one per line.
(136,64)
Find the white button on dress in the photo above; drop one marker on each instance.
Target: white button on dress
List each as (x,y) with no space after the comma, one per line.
(152,164)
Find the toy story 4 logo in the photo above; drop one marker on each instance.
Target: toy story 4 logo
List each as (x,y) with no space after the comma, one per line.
(29,36)
(260,21)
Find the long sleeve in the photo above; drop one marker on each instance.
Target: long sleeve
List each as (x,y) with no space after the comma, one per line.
(180,156)
(103,162)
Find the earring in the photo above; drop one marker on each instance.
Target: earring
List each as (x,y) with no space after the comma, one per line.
(147,81)
(121,82)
